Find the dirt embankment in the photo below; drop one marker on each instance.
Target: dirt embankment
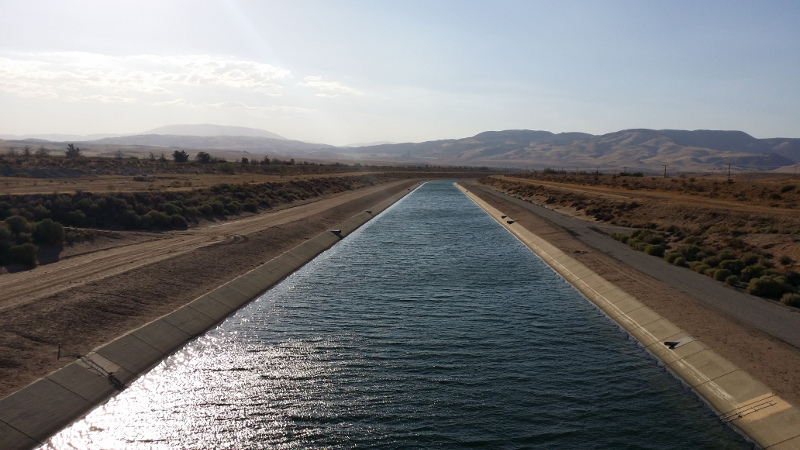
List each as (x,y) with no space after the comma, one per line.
(769,360)
(84,301)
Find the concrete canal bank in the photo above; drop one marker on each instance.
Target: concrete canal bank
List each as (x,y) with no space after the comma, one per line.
(31,415)
(734,395)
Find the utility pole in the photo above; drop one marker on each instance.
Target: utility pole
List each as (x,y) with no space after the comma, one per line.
(665,170)
(729,172)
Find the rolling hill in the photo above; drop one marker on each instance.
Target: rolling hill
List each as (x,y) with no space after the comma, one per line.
(636,149)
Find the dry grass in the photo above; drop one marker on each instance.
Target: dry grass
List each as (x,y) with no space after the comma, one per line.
(707,211)
(138,183)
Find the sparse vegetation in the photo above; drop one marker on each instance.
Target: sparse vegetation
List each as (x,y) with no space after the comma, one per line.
(737,247)
(72,151)
(180,156)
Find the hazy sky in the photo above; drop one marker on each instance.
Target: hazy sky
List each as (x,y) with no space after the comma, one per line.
(360,71)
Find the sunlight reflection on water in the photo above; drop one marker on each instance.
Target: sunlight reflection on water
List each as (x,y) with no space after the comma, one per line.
(430,326)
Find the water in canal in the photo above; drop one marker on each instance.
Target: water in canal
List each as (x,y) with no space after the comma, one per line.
(431,326)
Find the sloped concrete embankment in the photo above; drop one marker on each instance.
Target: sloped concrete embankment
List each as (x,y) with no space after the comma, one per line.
(33,414)
(734,395)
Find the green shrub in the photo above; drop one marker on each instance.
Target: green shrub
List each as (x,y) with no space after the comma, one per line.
(700,268)
(750,259)
(205,209)
(170,209)
(751,272)
(732,280)
(722,274)
(218,207)
(233,207)
(712,261)
(710,272)
(226,167)
(654,250)
(50,232)
(624,238)
(726,255)
(679,261)
(77,218)
(250,206)
(23,238)
(671,256)
(791,299)
(17,224)
(689,251)
(157,219)
(785,260)
(5,233)
(765,287)
(24,253)
(734,265)
(178,221)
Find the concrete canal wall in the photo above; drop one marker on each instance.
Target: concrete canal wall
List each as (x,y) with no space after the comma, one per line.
(33,414)
(734,395)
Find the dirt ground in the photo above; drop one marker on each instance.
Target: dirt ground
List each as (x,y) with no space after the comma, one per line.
(105,290)
(131,183)
(773,228)
(769,360)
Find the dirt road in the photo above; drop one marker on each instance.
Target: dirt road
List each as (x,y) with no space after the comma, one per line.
(23,287)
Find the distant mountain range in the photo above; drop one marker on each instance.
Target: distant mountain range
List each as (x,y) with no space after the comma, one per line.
(212,130)
(178,130)
(637,149)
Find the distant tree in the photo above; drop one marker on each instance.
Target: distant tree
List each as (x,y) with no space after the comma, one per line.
(180,156)
(26,151)
(118,154)
(245,161)
(203,157)
(152,156)
(12,151)
(42,152)
(265,161)
(162,158)
(72,151)
(49,231)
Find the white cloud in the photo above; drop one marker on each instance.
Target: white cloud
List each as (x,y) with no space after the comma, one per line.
(257,109)
(54,75)
(102,98)
(176,102)
(328,88)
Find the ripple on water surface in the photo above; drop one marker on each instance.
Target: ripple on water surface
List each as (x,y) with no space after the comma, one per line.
(431,326)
